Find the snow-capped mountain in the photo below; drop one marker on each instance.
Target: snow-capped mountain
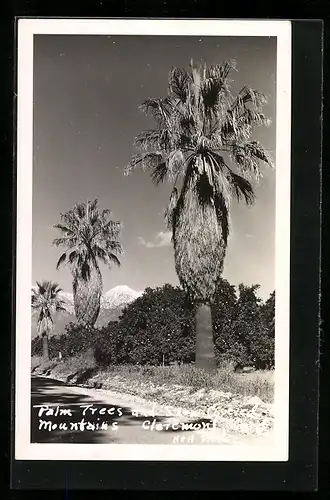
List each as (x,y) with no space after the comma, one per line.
(112,304)
(116,297)
(68,299)
(119,296)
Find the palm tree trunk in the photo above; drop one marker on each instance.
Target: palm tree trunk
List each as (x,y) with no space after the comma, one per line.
(87,297)
(205,353)
(45,353)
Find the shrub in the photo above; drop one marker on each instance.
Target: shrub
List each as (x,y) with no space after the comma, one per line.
(244,328)
(107,345)
(74,341)
(154,329)
(36,346)
(78,339)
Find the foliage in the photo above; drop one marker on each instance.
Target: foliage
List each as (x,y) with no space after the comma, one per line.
(265,344)
(107,347)
(223,314)
(155,328)
(75,341)
(158,328)
(89,236)
(45,302)
(202,133)
(245,334)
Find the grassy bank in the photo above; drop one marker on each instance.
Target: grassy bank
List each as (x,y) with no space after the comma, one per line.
(242,399)
(84,369)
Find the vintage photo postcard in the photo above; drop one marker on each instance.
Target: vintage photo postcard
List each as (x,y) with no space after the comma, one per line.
(153,240)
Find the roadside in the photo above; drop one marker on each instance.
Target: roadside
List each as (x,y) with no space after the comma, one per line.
(244,417)
(138,424)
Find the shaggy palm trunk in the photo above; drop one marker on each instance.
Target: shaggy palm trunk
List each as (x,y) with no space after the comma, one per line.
(205,353)
(200,238)
(87,297)
(45,353)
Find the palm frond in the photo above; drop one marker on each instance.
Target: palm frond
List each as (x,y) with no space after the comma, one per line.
(252,118)
(59,242)
(215,86)
(223,216)
(63,228)
(42,287)
(93,204)
(114,246)
(61,260)
(106,212)
(178,83)
(160,109)
(72,256)
(148,139)
(113,258)
(152,160)
(54,288)
(142,160)
(221,182)
(159,173)
(261,153)
(242,188)
(210,92)
(221,71)
(248,95)
(248,156)
(80,210)
(101,254)
(149,161)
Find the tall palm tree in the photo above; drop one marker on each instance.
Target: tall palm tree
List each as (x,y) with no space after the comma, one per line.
(89,236)
(46,301)
(202,145)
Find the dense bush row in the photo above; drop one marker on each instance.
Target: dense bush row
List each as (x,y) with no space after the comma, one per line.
(158,328)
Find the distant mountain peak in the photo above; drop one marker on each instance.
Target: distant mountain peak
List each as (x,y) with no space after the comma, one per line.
(121,289)
(112,303)
(115,297)
(118,296)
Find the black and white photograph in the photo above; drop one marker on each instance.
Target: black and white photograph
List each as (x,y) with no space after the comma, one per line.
(153,240)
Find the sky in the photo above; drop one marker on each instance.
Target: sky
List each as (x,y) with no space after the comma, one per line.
(87,92)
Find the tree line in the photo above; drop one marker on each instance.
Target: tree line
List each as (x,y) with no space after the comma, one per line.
(202,144)
(158,328)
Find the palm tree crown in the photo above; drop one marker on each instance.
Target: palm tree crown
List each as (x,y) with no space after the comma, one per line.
(89,236)
(46,301)
(202,145)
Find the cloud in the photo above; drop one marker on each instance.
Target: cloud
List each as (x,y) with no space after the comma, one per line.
(162,239)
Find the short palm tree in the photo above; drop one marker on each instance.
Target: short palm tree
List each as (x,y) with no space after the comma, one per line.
(46,301)
(89,236)
(202,145)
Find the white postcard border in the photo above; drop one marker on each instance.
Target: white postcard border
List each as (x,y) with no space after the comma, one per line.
(27,28)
